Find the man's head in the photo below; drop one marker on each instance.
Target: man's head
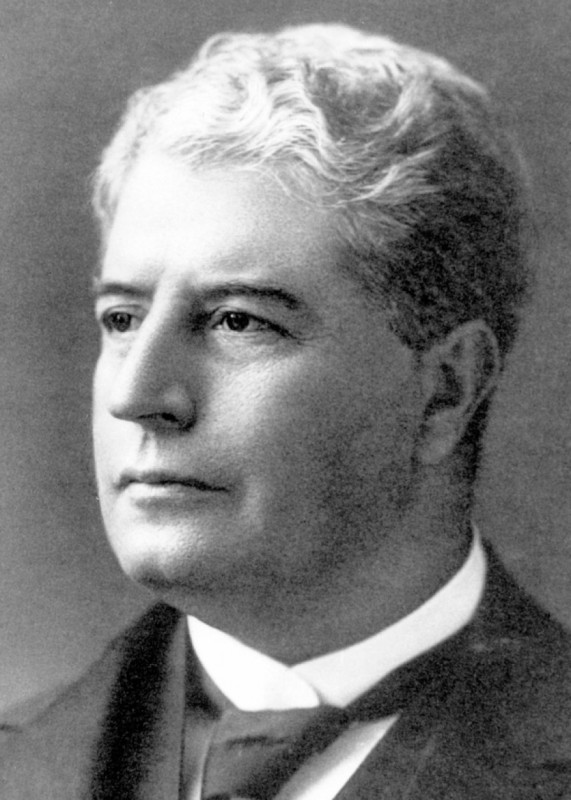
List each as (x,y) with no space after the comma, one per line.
(311,271)
(401,146)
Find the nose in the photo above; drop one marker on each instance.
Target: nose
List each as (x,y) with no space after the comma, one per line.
(155,383)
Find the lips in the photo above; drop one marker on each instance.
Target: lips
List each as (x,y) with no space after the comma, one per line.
(166,479)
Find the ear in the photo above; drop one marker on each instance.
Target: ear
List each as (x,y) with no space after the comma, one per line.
(457,375)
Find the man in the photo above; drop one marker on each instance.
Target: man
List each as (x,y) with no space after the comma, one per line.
(313,264)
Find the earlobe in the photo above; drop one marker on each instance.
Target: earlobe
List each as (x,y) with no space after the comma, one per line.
(458,374)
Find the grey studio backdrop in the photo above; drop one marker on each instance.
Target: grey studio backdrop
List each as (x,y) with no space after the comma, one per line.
(66,68)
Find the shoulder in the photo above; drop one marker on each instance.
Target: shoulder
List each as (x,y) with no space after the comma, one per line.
(526,655)
(87,696)
(15,717)
(492,718)
(507,720)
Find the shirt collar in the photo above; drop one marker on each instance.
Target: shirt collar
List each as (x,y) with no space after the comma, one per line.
(256,682)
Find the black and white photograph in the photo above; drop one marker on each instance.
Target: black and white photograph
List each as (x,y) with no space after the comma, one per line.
(285,400)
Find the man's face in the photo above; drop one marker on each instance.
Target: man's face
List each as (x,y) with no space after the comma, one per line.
(254,418)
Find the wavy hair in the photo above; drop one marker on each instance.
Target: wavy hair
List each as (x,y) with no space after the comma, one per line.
(400,145)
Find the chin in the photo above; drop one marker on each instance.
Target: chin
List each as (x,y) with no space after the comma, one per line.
(159,564)
(149,575)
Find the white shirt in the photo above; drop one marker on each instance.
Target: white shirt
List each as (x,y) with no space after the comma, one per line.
(255,682)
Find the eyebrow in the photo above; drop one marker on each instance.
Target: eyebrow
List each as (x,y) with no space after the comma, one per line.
(101,288)
(275,294)
(220,291)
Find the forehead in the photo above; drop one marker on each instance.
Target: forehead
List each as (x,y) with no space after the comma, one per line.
(169,212)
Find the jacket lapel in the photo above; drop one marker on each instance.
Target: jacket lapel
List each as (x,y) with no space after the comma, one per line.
(140,745)
(117,733)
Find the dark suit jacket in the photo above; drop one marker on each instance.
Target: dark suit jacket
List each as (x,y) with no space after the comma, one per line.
(488,715)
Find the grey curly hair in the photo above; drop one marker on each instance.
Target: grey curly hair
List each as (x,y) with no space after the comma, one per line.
(403,148)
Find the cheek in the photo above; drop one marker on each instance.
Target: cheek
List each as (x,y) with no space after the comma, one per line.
(279,415)
(314,426)
(99,417)
(109,437)
(359,447)
(105,439)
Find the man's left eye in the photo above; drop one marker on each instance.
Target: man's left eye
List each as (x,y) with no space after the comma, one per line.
(241,322)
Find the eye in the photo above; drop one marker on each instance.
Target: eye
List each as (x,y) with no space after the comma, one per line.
(119,321)
(241,322)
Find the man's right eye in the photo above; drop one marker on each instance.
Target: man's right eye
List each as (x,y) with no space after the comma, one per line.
(119,321)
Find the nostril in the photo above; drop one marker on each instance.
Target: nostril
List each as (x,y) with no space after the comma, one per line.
(167,420)
(178,420)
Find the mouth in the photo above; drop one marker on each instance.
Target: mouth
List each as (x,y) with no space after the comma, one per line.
(165,480)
